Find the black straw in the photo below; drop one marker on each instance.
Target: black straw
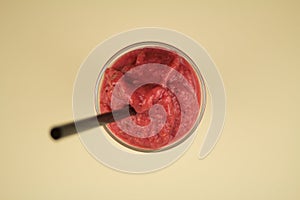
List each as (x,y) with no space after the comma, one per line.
(89,123)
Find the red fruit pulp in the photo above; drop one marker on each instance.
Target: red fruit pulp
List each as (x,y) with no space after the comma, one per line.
(148,95)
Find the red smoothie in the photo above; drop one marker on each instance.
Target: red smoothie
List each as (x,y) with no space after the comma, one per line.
(146,96)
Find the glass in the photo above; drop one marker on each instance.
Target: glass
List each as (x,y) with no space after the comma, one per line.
(167,47)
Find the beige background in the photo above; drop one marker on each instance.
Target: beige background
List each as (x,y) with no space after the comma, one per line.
(256,47)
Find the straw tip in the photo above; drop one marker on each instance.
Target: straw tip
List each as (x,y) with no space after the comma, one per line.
(55,133)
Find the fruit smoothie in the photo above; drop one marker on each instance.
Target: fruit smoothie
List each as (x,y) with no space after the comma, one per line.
(148,95)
